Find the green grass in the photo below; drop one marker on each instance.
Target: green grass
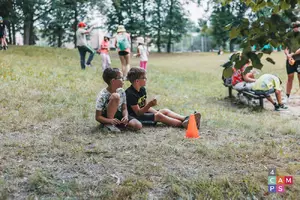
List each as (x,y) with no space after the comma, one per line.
(52,148)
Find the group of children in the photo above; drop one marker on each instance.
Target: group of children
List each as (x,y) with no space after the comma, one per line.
(117,108)
(122,43)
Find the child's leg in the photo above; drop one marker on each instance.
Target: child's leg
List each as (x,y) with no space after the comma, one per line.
(91,56)
(141,65)
(135,124)
(127,62)
(123,64)
(270,99)
(4,40)
(159,117)
(145,65)
(108,60)
(278,96)
(104,61)
(112,105)
(172,114)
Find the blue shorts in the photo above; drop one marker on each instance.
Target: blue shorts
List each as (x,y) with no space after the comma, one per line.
(262,92)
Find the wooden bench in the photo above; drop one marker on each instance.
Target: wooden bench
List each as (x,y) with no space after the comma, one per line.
(249,94)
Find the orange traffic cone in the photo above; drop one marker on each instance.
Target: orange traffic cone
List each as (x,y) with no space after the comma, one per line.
(192,130)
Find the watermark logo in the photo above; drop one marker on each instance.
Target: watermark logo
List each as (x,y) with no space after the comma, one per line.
(276,184)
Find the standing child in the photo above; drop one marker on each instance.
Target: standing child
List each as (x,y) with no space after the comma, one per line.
(142,110)
(3,33)
(111,108)
(104,50)
(143,53)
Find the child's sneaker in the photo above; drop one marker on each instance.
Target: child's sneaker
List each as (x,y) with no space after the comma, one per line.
(283,106)
(112,128)
(185,122)
(197,119)
(280,106)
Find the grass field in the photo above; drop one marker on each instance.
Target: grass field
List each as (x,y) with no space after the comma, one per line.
(52,147)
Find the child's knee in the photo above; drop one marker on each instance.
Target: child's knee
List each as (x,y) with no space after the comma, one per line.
(114,97)
(159,116)
(135,124)
(164,111)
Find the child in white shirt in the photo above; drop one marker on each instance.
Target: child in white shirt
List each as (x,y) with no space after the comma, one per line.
(143,53)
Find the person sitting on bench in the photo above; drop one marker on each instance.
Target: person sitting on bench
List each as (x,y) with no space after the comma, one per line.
(267,84)
(241,81)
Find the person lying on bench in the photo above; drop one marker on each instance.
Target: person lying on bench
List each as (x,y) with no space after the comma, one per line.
(267,84)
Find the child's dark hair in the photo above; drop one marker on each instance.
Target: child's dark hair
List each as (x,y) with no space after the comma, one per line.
(109,74)
(135,73)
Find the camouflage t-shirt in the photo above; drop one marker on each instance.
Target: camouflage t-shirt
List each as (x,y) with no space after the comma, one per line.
(103,99)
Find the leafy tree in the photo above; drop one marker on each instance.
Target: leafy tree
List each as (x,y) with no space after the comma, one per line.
(221,16)
(157,22)
(175,23)
(271,24)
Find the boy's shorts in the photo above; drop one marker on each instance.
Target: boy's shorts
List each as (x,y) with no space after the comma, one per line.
(147,118)
(290,69)
(118,115)
(266,93)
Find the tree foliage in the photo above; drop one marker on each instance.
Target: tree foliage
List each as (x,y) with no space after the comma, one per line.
(270,24)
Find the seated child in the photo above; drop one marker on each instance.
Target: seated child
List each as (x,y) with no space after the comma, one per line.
(111,108)
(267,84)
(141,109)
(242,81)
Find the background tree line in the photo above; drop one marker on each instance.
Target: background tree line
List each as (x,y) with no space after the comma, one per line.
(164,21)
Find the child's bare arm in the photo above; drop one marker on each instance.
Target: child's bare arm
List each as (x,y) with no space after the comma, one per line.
(124,114)
(138,52)
(140,111)
(89,30)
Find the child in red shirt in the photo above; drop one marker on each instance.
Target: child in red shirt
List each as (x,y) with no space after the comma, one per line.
(104,51)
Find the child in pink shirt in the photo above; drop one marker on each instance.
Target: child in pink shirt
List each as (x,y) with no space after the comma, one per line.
(104,51)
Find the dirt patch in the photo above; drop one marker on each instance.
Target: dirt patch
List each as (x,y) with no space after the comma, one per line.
(293,106)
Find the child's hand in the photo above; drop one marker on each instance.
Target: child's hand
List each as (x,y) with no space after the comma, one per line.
(125,120)
(153,102)
(114,121)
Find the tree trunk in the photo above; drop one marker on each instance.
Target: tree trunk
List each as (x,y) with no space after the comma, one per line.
(76,22)
(231,45)
(28,29)
(59,39)
(144,20)
(32,35)
(170,32)
(158,41)
(13,33)
(10,33)
(169,42)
